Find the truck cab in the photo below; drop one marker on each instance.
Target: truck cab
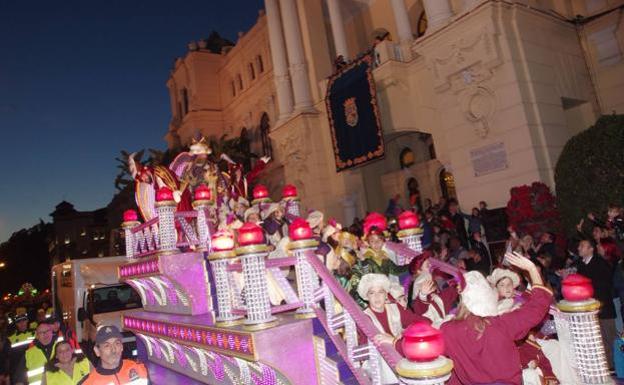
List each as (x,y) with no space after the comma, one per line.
(87,294)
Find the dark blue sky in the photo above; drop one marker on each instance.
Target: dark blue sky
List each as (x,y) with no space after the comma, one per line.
(82,80)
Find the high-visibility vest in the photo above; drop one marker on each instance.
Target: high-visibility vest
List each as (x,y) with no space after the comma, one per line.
(59,377)
(35,364)
(21,339)
(129,373)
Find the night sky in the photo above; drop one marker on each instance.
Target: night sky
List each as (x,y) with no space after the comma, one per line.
(82,80)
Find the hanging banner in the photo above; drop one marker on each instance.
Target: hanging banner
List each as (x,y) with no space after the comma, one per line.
(353,114)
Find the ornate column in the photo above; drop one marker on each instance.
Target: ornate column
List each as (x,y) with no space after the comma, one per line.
(130,221)
(303,245)
(202,198)
(222,254)
(338,31)
(166,207)
(402,21)
(278,56)
(296,57)
(438,13)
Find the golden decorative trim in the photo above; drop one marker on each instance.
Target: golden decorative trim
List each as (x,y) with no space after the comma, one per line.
(130,224)
(166,203)
(251,249)
(417,370)
(260,326)
(408,232)
(260,200)
(229,323)
(202,202)
(543,288)
(308,315)
(289,199)
(577,307)
(221,255)
(303,244)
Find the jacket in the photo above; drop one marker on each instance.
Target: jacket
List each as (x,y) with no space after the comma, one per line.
(59,377)
(128,372)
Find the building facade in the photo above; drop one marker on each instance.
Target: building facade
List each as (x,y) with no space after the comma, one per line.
(482,94)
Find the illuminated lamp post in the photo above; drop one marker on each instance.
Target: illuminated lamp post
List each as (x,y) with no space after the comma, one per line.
(302,243)
(580,311)
(291,200)
(166,206)
(410,231)
(252,251)
(220,257)
(202,198)
(130,221)
(424,364)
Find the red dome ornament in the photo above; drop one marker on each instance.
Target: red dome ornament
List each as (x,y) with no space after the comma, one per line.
(260,192)
(576,288)
(164,194)
(374,220)
(202,193)
(250,234)
(422,342)
(289,191)
(408,220)
(130,216)
(299,230)
(222,241)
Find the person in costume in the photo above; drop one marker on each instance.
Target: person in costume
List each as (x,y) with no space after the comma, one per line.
(274,223)
(347,242)
(397,294)
(428,300)
(377,256)
(388,318)
(505,282)
(239,182)
(149,180)
(252,215)
(480,342)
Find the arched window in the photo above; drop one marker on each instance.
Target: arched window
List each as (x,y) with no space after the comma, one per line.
(239,79)
(267,149)
(252,72)
(259,63)
(233,88)
(185,102)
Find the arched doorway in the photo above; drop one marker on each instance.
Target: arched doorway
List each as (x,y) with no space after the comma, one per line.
(447,184)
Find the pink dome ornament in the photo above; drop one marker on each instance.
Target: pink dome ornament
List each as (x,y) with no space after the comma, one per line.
(422,342)
(576,288)
(299,230)
(130,216)
(250,234)
(164,194)
(408,220)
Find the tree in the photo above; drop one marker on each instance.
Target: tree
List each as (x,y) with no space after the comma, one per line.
(590,171)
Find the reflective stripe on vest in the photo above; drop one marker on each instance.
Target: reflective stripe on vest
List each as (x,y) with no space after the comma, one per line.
(22,343)
(34,372)
(35,363)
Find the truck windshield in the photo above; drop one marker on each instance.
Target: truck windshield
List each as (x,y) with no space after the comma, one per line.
(113,298)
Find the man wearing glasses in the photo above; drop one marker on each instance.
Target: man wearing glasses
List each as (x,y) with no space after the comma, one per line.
(31,367)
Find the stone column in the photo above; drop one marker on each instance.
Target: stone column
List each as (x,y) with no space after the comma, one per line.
(402,21)
(469,4)
(337,25)
(278,56)
(438,13)
(296,57)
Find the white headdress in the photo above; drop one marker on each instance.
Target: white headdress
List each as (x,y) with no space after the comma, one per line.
(478,296)
(499,274)
(369,281)
(315,218)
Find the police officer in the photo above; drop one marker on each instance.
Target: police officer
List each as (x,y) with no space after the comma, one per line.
(31,367)
(22,336)
(111,368)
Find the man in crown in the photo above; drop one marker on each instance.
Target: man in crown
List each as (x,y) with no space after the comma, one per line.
(148,180)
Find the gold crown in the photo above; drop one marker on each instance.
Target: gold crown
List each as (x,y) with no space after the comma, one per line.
(199,147)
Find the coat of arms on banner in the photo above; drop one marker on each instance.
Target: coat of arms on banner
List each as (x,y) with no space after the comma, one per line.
(351,113)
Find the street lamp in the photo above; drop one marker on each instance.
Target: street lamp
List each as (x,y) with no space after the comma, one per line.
(2,265)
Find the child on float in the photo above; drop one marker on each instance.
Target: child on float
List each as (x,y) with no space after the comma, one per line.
(388,318)
(505,282)
(481,342)
(377,256)
(427,298)
(274,223)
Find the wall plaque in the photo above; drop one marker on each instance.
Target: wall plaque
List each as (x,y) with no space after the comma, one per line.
(488,159)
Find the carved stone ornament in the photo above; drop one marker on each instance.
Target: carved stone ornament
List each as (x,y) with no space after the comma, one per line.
(294,152)
(464,68)
(479,105)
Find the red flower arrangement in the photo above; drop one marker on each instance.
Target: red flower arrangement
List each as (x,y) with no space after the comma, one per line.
(532,210)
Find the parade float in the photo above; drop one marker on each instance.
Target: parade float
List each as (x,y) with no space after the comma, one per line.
(223,306)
